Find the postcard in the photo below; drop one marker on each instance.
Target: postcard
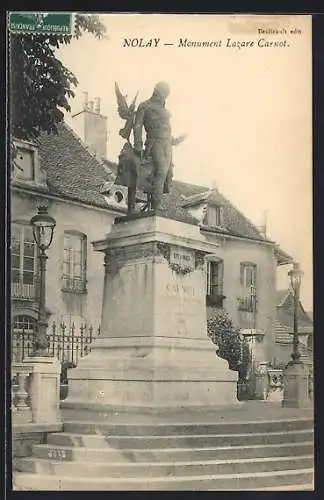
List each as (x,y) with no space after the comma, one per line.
(161,331)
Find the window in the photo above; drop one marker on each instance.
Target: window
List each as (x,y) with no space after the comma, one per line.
(214,215)
(215,271)
(22,338)
(24,324)
(247,299)
(23,262)
(74,262)
(25,164)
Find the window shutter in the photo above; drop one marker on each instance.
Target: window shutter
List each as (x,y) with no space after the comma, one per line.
(242,273)
(208,278)
(221,277)
(84,259)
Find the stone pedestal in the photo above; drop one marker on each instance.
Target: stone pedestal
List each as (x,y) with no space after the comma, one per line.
(153,350)
(45,389)
(296,382)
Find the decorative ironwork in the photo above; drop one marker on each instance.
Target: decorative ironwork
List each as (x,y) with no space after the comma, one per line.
(23,291)
(177,268)
(66,344)
(164,250)
(75,285)
(215,300)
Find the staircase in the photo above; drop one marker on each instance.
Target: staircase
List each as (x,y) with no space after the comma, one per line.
(261,455)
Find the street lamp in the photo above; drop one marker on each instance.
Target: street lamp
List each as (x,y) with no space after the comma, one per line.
(296,374)
(295,275)
(43,230)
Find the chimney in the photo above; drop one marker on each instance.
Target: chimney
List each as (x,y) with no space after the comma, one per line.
(263,227)
(91,126)
(97,105)
(85,103)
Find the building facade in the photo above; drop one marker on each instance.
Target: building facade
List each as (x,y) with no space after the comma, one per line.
(72,177)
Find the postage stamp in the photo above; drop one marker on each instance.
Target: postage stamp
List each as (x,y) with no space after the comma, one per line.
(41,22)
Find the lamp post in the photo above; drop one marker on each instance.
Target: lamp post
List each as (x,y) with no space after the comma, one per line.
(296,374)
(43,230)
(295,275)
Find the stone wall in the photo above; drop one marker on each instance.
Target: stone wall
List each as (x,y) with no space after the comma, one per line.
(24,437)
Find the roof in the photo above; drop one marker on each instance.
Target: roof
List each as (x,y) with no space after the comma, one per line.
(72,171)
(194,199)
(310,314)
(281,296)
(75,173)
(284,318)
(183,195)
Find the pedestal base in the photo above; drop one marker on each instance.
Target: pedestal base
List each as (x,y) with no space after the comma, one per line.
(156,372)
(296,386)
(153,351)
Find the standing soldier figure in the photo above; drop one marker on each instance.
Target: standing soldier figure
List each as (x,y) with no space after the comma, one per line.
(155,118)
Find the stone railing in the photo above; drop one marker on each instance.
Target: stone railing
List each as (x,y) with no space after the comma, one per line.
(35,391)
(275,385)
(20,398)
(270,381)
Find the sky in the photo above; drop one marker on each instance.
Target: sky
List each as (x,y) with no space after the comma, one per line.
(246,107)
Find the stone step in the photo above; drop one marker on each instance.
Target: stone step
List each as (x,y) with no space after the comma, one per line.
(178,441)
(66,453)
(258,480)
(171,429)
(162,469)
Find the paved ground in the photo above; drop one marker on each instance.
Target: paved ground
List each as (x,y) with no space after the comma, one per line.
(249,411)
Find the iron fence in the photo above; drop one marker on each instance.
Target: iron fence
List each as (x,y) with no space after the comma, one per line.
(68,344)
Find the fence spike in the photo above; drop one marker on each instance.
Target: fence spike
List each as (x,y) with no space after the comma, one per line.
(66,346)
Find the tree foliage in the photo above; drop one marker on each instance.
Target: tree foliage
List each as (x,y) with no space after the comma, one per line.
(230,346)
(40,84)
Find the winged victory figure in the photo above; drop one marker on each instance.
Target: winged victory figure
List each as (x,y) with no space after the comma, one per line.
(129,162)
(149,168)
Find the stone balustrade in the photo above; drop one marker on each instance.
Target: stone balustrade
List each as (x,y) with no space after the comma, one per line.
(20,397)
(35,391)
(270,381)
(275,385)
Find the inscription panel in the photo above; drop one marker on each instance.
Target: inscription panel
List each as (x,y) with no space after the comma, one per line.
(182,257)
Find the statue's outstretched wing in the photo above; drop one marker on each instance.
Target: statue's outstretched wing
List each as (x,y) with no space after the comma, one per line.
(132,106)
(123,109)
(125,112)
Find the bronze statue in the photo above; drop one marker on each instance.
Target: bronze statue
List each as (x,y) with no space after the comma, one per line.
(149,168)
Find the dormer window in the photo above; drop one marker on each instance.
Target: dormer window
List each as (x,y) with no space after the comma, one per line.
(25,164)
(24,167)
(214,215)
